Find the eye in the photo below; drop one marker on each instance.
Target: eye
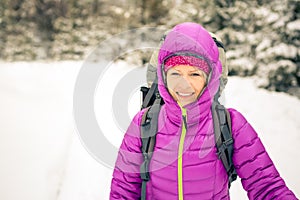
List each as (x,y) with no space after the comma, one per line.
(175,74)
(196,74)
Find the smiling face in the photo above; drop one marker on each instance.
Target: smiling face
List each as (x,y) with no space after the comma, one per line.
(185,83)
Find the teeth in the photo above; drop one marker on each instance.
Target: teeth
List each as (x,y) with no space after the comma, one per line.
(184,94)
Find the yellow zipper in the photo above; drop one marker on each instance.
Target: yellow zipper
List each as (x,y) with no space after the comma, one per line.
(180,152)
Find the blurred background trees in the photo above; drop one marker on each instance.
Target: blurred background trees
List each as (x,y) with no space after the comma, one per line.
(261,36)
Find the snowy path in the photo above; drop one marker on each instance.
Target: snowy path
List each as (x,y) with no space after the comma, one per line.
(42,157)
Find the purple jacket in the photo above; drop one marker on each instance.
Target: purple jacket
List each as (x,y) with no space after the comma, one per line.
(184,164)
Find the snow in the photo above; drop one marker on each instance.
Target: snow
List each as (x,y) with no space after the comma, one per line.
(294,25)
(42,156)
(282,49)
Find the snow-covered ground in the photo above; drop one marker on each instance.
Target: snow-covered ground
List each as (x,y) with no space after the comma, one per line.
(42,157)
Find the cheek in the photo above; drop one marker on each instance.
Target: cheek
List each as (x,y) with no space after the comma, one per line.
(171,83)
(172,93)
(198,86)
(171,87)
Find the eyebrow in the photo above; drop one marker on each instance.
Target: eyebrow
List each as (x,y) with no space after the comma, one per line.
(197,70)
(174,70)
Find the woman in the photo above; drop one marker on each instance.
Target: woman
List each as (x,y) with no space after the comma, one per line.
(185,164)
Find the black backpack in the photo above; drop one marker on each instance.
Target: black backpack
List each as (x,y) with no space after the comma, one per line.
(152,103)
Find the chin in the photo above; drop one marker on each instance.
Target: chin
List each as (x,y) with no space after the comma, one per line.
(184,103)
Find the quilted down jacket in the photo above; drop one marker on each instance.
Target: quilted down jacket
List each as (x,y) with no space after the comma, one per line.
(184,164)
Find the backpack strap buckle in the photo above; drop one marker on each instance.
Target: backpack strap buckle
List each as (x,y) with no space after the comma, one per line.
(228,142)
(144,169)
(223,147)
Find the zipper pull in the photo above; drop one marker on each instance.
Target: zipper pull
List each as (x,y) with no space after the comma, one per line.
(184,121)
(184,116)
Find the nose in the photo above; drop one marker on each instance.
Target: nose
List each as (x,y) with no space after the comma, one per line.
(184,83)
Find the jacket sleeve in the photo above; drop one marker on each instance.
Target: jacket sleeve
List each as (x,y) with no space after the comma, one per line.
(258,174)
(126,181)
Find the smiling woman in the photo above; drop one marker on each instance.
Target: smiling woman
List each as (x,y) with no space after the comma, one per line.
(185,161)
(185,83)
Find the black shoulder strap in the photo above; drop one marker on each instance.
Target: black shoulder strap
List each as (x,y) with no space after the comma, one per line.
(149,127)
(150,94)
(224,140)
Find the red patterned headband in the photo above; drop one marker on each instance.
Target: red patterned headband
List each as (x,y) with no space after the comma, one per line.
(187,60)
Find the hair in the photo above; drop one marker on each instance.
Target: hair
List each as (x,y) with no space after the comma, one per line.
(204,76)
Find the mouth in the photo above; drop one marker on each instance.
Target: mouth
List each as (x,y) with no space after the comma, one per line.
(185,94)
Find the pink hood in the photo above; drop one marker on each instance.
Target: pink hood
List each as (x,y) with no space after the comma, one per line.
(190,38)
